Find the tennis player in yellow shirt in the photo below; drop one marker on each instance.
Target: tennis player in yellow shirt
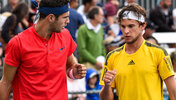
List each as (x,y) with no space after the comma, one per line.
(136,70)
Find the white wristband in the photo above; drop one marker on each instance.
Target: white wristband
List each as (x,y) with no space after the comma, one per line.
(71,74)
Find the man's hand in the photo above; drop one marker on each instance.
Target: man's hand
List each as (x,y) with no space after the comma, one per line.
(79,71)
(109,77)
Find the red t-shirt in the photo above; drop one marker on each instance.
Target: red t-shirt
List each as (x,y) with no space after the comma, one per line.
(41,73)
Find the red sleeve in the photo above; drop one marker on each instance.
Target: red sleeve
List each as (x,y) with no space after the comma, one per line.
(70,43)
(12,54)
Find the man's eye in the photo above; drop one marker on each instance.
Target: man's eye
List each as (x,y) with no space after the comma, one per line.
(122,26)
(131,26)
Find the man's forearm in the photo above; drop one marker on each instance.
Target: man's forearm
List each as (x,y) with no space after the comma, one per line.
(173,97)
(6,81)
(171,87)
(106,93)
(4,91)
(70,62)
(172,94)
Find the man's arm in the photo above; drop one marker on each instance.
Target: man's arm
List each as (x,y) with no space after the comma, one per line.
(79,70)
(107,93)
(171,87)
(6,81)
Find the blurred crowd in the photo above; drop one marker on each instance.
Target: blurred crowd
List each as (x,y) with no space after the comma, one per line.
(94,28)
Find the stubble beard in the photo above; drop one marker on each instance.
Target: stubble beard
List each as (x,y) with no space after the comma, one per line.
(134,40)
(55,28)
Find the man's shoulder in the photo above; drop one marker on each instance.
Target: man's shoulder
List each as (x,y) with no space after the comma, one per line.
(115,51)
(25,35)
(156,48)
(27,31)
(83,26)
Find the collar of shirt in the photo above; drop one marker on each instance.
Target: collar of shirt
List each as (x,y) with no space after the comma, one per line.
(90,26)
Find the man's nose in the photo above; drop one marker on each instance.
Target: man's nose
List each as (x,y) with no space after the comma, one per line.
(67,20)
(126,30)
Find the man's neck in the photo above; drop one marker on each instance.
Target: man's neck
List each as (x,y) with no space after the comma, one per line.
(94,23)
(43,30)
(132,48)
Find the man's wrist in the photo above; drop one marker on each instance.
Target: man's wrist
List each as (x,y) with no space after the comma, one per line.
(71,74)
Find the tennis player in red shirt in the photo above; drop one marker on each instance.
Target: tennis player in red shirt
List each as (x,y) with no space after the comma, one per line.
(38,59)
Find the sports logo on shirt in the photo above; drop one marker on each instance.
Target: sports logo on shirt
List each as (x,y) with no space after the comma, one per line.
(62,48)
(131,63)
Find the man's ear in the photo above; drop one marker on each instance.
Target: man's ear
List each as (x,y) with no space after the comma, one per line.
(51,17)
(144,25)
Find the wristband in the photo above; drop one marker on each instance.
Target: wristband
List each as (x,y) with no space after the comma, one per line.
(71,74)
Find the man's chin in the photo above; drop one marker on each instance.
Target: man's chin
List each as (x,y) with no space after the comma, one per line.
(58,31)
(129,42)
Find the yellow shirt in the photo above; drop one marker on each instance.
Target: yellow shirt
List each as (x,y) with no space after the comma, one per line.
(139,75)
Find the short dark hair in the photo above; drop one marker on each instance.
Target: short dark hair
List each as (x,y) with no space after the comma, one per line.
(137,9)
(52,3)
(93,11)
